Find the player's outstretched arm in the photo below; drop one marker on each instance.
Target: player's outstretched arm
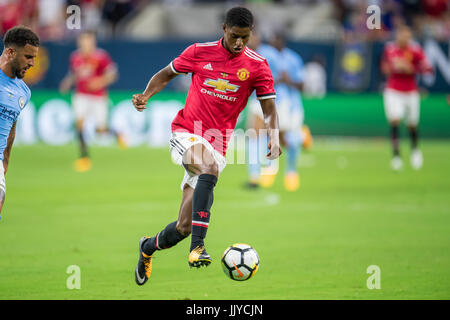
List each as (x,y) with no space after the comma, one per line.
(7,152)
(67,83)
(271,123)
(109,77)
(285,78)
(158,82)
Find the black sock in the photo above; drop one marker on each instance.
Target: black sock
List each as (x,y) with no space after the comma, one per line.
(201,208)
(163,240)
(83,146)
(395,140)
(414,137)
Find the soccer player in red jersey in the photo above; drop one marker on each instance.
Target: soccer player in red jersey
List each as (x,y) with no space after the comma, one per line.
(91,72)
(224,74)
(402,61)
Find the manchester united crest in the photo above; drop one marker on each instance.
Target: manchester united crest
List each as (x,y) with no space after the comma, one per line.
(243,74)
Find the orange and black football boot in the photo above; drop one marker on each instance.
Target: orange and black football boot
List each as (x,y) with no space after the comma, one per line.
(144,265)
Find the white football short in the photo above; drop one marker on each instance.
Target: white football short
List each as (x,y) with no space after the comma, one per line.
(87,105)
(402,105)
(288,119)
(2,178)
(180,143)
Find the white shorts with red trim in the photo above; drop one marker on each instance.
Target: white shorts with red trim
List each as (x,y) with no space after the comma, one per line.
(183,141)
(400,105)
(87,105)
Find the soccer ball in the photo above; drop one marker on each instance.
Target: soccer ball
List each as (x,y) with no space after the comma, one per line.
(240,261)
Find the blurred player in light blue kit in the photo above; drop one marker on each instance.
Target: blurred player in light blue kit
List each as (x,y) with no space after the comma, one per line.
(288,72)
(20,49)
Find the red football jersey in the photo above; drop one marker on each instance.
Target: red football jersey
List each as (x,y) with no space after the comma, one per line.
(86,68)
(221,85)
(412,53)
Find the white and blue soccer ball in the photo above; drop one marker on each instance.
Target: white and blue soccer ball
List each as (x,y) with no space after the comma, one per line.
(240,261)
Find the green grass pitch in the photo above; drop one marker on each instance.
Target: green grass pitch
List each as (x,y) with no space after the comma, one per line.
(350,212)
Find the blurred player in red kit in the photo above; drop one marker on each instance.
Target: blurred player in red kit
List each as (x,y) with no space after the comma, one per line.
(224,74)
(402,60)
(91,71)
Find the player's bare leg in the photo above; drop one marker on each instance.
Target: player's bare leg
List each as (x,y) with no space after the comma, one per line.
(184,222)
(396,162)
(199,161)
(416,154)
(170,236)
(84,162)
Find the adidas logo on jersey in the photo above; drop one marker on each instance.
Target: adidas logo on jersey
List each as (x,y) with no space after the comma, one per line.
(208,67)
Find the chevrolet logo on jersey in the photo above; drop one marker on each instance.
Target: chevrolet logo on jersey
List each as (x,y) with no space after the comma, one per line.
(221,85)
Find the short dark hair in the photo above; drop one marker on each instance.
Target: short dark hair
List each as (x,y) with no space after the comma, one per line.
(239,16)
(20,36)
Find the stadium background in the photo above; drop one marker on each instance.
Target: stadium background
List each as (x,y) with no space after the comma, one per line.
(350,173)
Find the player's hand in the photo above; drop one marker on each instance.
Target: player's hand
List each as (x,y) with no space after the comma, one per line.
(274,151)
(397,63)
(139,102)
(402,65)
(96,83)
(64,87)
(285,78)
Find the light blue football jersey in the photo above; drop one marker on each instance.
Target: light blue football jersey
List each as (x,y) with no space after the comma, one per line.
(286,60)
(14,96)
